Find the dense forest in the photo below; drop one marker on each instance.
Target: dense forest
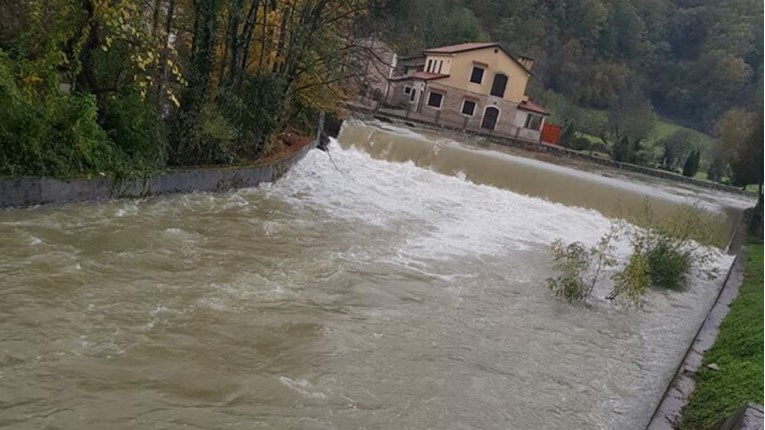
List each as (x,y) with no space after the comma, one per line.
(126,87)
(692,60)
(129,86)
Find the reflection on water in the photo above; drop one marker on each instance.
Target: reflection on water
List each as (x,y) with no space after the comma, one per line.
(379,295)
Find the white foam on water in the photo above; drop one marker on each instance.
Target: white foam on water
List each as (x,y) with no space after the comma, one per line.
(303,387)
(658,188)
(455,217)
(460,218)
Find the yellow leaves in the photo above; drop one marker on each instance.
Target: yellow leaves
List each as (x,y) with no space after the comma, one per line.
(176,72)
(171,96)
(31,80)
(61,58)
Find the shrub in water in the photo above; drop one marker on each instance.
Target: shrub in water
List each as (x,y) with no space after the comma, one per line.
(571,261)
(633,281)
(668,266)
(580,267)
(663,256)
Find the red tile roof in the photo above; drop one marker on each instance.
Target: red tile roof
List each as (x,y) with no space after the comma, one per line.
(425,76)
(462,47)
(532,107)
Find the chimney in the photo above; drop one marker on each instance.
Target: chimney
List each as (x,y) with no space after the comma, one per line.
(527,62)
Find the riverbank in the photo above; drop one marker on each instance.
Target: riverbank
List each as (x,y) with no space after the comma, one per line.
(32,191)
(732,372)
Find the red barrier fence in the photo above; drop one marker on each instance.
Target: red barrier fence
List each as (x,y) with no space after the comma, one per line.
(551,134)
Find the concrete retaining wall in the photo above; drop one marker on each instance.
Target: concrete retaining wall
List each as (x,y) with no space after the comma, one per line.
(37,191)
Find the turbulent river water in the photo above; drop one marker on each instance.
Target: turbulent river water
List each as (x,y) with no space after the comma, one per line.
(361,291)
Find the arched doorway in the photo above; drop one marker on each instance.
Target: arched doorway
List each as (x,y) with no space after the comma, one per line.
(490,116)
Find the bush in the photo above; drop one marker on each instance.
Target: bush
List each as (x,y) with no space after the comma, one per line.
(633,281)
(254,107)
(656,261)
(628,150)
(600,147)
(579,267)
(133,125)
(663,256)
(668,266)
(203,137)
(580,144)
(46,133)
(571,260)
(665,253)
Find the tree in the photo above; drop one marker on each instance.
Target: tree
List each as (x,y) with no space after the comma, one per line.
(568,135)
(627,150)
(691,166)
(717,168)
(676,147)
(747,167)
(630,120)
(732,131)
(747,163)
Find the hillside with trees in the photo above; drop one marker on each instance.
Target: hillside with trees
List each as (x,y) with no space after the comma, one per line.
(125,86)
(694,62)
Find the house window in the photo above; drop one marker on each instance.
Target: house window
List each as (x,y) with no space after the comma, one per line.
(499,85)
(407,90)
(533,122)
(435,100)
(468,107)
(476,76)
(430,65)
(440,64)
(412,94)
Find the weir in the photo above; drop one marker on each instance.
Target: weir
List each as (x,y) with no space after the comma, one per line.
(613,193)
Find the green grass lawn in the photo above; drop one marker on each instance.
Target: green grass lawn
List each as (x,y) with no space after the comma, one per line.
(591,138)
(662,127)
(738,351)
(595,118)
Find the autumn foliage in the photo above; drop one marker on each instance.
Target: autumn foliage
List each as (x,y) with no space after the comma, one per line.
(126,86)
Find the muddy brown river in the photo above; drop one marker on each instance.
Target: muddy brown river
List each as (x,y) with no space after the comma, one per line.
(399,285)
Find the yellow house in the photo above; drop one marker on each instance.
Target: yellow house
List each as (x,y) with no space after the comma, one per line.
(476,86)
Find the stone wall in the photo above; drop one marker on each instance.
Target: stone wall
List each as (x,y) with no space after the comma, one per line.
(24,192)
(510,123)
(451,110)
